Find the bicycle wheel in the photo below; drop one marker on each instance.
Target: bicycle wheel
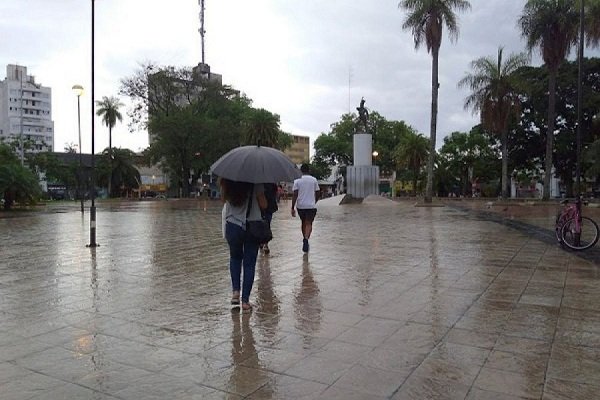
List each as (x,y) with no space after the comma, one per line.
(586,238)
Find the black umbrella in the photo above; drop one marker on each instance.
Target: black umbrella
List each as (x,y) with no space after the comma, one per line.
(256,164)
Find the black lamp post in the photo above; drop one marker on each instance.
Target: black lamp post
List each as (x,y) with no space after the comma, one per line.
(93,191)
(78,90)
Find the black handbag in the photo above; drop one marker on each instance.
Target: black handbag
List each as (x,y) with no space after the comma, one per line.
(258,231)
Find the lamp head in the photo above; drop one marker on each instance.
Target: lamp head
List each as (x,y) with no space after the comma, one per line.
(78,90)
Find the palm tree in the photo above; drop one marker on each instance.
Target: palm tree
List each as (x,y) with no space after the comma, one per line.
(108,109)
(125,174)
(592,22)
(426,19)
(495,95)
(411,154)
(262,127)
(552,27)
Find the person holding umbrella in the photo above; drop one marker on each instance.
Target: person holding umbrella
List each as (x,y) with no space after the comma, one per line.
(243,172)
(243,202)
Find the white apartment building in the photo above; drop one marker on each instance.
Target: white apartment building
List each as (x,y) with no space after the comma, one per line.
(26,110)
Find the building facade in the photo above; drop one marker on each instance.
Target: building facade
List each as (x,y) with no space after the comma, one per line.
(26,110)
(299,153)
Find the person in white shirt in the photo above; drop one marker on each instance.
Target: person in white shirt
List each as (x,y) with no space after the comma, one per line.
(306,192)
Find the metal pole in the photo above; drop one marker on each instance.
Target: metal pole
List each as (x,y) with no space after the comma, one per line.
(93,190)
(80,162)
(202,31)
(579,98)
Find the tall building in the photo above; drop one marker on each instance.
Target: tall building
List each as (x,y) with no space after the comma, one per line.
(299,153)
(26,109)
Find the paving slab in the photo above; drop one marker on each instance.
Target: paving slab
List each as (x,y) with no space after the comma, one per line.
(392,302)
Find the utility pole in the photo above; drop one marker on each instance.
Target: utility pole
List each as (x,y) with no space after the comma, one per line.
(201,30)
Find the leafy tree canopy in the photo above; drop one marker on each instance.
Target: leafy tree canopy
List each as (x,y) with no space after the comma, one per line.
(193,121)
(336,146)
(527,139)
(17,183)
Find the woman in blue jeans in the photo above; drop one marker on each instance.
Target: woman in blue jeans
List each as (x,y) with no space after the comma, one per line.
(242,250)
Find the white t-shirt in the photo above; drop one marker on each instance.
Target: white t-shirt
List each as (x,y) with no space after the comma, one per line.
(306,187)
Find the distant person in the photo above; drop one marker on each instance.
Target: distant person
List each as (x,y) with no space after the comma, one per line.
(242,249)
(267,213)
(306,190)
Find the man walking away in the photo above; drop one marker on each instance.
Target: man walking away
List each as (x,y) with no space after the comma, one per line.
(306,191)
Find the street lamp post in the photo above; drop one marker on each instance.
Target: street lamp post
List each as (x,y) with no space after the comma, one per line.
(93,191)
(375,154)
(78,90)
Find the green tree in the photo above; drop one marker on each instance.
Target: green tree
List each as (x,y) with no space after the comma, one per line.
(17,183)
(591,157)
(592,22)
(108,109)
(495,94)
(66,173)
(552,27)
(467,157)
(284,140)
(412,153)
(319,170)
(191,121)
(335,147)
(261,127)
(118,166)
(386,137)
(528,135)
(426,19)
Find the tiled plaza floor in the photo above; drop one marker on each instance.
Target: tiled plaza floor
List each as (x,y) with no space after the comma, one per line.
(393,302)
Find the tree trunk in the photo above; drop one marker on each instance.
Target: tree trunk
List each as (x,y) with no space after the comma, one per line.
(550,133)
(432,132)
(8,200)
(415,180)
(110,175)
(504,193)
(185,183)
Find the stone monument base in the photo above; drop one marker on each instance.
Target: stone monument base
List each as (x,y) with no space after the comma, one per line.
(362,180)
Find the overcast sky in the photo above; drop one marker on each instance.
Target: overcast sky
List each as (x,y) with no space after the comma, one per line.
(309,61)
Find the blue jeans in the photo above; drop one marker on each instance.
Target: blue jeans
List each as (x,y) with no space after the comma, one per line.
(242,253)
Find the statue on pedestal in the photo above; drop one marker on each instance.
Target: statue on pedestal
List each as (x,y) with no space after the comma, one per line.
(363,116)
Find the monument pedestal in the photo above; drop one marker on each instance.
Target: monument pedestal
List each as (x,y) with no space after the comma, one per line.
(362,178)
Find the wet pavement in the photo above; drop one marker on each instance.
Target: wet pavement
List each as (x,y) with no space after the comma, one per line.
(393,302)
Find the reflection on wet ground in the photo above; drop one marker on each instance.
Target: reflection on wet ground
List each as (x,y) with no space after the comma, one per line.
(393,302)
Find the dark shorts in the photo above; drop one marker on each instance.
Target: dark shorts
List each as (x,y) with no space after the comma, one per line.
(307,214)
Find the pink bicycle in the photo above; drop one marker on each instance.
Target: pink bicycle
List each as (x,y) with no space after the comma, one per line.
(574,230)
